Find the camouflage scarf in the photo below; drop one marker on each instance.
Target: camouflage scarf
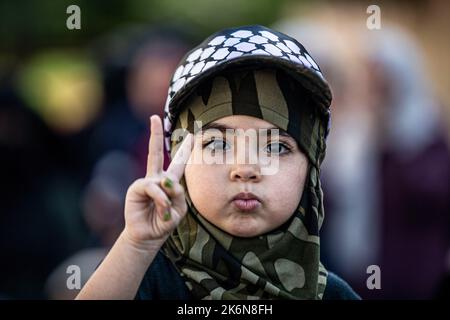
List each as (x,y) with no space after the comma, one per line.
(283,263)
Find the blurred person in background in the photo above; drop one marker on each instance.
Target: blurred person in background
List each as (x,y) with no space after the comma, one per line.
(137,65)
(414,168)
(387,172)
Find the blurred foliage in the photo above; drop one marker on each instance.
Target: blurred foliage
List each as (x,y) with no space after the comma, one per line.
(26,25)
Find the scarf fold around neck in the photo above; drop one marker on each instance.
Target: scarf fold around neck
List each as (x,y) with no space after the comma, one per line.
(283,263)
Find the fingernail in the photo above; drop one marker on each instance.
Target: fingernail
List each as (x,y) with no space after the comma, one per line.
(168,183)
(166,216)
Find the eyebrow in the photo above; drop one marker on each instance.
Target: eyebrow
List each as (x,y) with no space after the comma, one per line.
(223,128)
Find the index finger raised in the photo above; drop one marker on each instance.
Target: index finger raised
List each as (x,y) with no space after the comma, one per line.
(155,158)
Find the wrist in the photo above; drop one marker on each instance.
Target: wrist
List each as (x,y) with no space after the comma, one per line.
(146,248)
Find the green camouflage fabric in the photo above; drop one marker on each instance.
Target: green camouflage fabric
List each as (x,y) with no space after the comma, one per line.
(283,263)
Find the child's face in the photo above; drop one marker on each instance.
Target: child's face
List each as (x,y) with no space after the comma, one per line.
(213,187)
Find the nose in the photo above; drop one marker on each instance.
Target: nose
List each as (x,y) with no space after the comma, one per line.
(245,172)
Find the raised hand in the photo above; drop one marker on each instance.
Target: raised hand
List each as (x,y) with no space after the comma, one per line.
(155,205)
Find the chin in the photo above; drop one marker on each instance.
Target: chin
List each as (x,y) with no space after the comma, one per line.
(245,230)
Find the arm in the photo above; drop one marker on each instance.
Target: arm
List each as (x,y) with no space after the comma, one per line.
(121,272)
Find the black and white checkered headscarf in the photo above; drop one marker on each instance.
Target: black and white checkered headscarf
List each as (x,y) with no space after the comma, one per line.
(247,46)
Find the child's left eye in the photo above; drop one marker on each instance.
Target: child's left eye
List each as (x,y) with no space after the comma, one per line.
(276,148)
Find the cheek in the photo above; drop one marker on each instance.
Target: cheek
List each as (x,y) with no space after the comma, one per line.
(289,183)
(203,183)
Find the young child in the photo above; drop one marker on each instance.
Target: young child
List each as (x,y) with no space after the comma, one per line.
(217,225)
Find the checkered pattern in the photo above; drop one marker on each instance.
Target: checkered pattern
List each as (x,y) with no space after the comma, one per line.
(230,46)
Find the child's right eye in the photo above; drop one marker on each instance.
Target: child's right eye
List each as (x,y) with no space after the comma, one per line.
(215,144)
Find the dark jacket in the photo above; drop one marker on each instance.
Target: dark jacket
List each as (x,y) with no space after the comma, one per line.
(163,282)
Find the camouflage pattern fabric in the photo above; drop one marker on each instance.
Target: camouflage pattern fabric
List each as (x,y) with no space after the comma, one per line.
(281,264)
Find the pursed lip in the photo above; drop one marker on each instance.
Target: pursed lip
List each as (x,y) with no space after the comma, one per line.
(246,196)
(246,202)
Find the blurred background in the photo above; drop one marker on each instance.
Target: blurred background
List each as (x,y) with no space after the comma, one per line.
(74,108)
